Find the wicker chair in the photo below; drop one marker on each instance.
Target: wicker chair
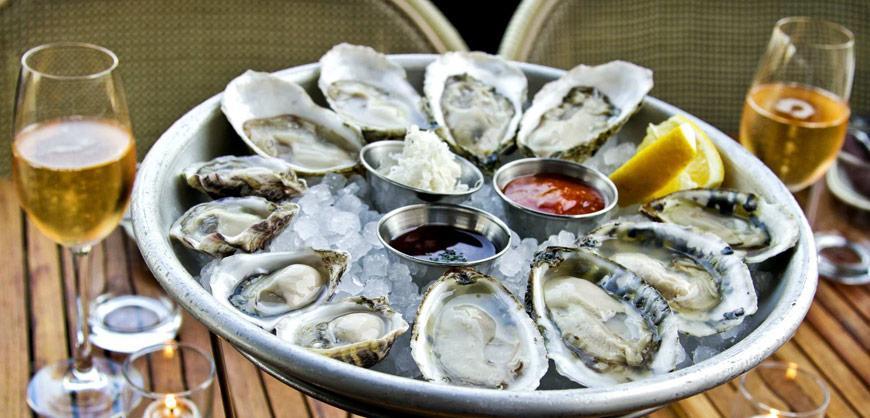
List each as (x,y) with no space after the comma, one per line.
(174,54)
(704,53)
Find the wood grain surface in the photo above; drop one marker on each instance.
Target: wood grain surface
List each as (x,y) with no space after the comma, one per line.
(36,304)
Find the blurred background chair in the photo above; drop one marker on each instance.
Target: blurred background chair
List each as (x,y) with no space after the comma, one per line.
(704,53)
(175,54)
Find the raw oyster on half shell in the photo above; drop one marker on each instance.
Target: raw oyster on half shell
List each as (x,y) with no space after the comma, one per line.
(266,287)
(276,118)
(601,323)
(477,101)
(223,226)
(250,175)
(705,283)
(355,330)
(471,331)
(570,118)
(749,224)
(370,92)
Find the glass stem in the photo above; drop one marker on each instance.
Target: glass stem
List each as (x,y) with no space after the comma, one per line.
(82,276)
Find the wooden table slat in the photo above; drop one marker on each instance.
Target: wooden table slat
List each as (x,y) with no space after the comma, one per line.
(669,411)
(15,334)
(320,409)
(286,402)
(722,397)
(830,331)
(195,334)
(48,323)
(246,391)
(697,406)
(833,368)
(840,309)
(858,297)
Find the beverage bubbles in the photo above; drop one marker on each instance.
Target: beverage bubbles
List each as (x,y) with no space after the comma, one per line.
(74,177)
(796,130)
(796,112)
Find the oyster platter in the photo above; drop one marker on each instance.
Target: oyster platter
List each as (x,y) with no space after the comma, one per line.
(470,227)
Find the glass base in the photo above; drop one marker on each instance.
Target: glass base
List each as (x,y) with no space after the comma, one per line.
(58,391)
(128,323)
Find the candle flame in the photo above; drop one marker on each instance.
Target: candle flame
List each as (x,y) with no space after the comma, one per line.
(791,372)
(774,413)
(168,351)
(171,406)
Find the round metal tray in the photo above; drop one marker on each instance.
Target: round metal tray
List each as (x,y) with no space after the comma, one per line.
(203,133)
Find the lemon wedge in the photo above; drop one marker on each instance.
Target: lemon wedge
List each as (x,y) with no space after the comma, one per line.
(705,171)
(656,164)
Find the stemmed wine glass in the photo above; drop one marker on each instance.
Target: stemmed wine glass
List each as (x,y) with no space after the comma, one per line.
(796,112)
(74,161)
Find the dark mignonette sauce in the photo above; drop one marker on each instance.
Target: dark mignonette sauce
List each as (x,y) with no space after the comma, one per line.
(444,244)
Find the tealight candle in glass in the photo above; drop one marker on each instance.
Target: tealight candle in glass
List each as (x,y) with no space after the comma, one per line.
(784,390)
(177,381)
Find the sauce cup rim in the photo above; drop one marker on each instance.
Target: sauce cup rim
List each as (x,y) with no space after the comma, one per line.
(387,143)
(601,176)
(448,206)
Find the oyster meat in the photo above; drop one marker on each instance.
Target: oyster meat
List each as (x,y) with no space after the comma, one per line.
(749,224)
(602,325)
(704,282)
(570,118)
(224,226)
(370,92)
(266,287)
(355,330)
(276,118)
(471,331)
(477,101)
(250,175)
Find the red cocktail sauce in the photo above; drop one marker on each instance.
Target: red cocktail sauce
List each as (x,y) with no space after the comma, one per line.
(555,194)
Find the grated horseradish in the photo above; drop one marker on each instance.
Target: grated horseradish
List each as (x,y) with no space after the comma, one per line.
(426,163)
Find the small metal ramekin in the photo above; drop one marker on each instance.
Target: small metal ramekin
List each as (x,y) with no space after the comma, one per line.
(406,218)
(528,222)
(389,194)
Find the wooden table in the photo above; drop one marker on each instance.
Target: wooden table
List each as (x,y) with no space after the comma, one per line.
(37,313)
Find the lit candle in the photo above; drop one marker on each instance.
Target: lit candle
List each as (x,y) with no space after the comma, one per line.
(791,372)
(171,407)
(774,413)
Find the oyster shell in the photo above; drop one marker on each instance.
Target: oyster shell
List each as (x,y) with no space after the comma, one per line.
(224,226)
(250,175)
(266,287)
(570,118)
(752,226)
(276,118)
(706,285)
(476,100)
(471,331)
(602,325)
(355,330)
(370,92)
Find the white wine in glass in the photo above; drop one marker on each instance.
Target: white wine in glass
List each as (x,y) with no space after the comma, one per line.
(74,162)
(74,177)
(796,112)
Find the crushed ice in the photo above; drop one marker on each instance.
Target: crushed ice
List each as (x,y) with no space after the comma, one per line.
(335,214)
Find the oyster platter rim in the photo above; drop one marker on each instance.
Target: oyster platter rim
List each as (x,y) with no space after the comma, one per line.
(401,393)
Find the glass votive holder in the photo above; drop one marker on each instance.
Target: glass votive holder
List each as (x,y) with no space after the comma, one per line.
(176,381)
(776,389)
